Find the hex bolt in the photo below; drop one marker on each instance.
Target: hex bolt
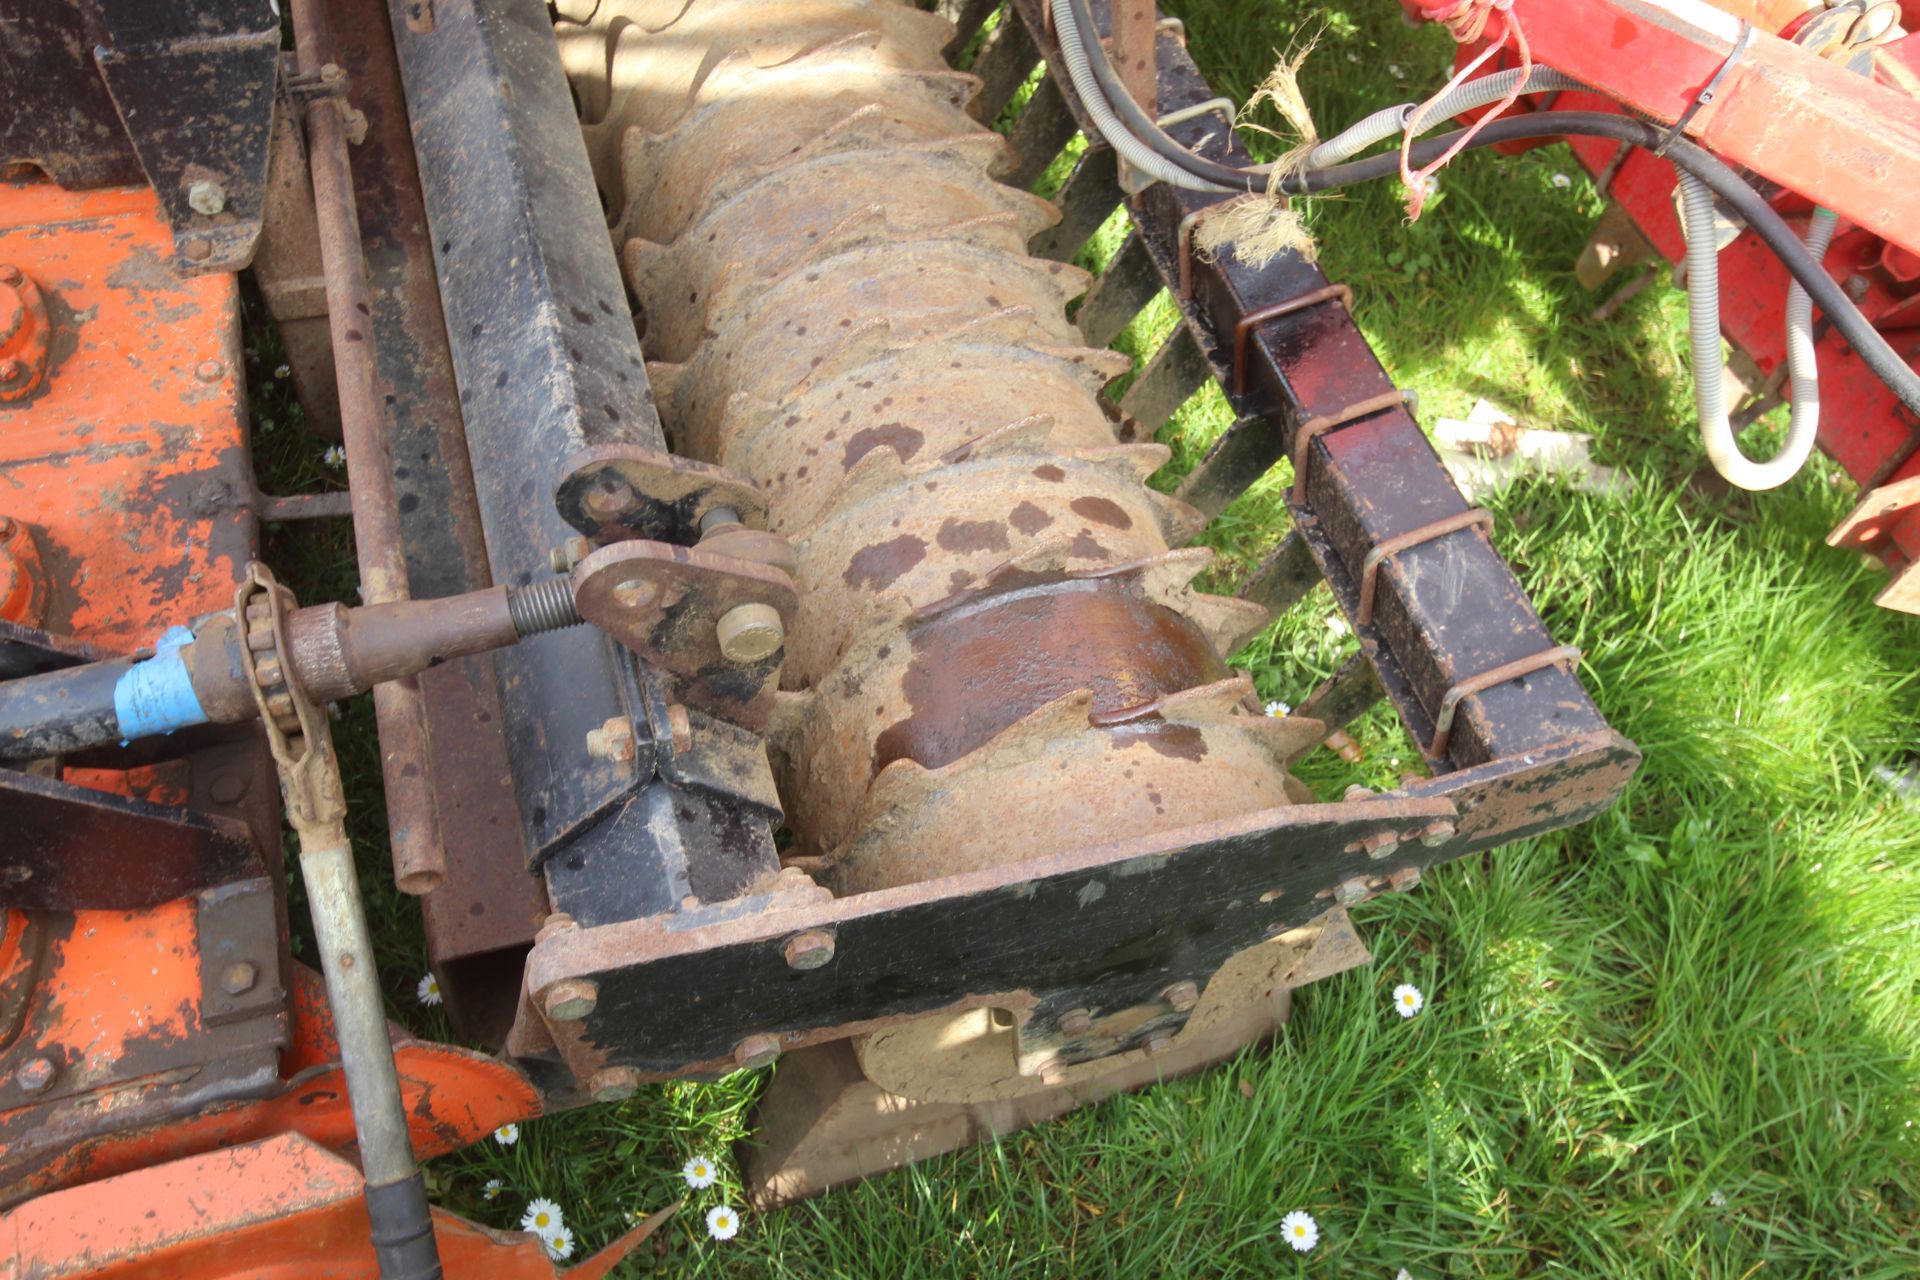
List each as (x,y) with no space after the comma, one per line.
(1357,792)
(571,999)
(1858,286)
(1435,834)
(611,499)
(1159,1043)
(239,978)
(197,250)
(1404,879)
(1380,844)
(756,1051)
(612,1084)
(750,632)
(612,740)
(35,1075)
(809,950)
(1350,892)
(1182,996)
(568,554)
(207,197)
(1076,1022)
(681,729)
(209,370)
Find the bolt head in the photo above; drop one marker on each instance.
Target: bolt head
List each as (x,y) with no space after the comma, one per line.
(756,1051)
(750,632)
(1380,844)
(1403,879)
(1435,834)
(239,978)
(1357,792)
(1351,892)
(197,250)
(1159,1044)
(612,1084)
(207,197)
(1076,1022)
(571,999)
(809,950)
(210,370)
(35,1075)
(227,788)
(1182,996)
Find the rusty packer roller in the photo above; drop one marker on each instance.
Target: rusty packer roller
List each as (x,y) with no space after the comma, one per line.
(999,652)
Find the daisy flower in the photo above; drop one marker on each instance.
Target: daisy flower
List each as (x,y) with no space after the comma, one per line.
(1407,1000)
(699,1173)
(335,456)
(1717,1198)
(543,1218)
(1561,181)
(723,1222)
(428,992)
(1278,709)
(493,1188)
(559,1244)
(507,1134)
(1301,1231)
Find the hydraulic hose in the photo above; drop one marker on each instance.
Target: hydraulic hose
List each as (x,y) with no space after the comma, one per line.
(1390,122)
(1803,373)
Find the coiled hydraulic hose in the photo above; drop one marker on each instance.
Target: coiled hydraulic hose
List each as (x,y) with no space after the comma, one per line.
(1709,395)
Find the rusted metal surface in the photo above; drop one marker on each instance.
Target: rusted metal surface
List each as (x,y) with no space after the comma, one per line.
(413,822)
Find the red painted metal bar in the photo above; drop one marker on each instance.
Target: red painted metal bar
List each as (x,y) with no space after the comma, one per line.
(1808,124)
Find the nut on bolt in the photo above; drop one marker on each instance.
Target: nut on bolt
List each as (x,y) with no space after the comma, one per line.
(1350,892)
(809,950)
(612,740)
(1380,844)
(239,978)
(1403,879)
(571,999)
(611,1084)
(1076,1022)
(756,1051)
(750,632)
(207,197)
(1182,996)
(35,1075)
(1436,833)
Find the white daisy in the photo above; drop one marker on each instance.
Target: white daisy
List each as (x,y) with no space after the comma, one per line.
(559,1244)
(335,456)
(723,1222)
(1717,1198)
(1337,624)
(493,1188)
(507,1134)
(1277,708)
(1301,1231)
(543,1218)
(1561,181)
(699,1173)
(428,992)
(1407,1000)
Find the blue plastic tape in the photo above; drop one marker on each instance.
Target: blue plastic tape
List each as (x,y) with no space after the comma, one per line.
(156,696)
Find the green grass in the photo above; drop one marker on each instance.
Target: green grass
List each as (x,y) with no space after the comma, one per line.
(1714,988)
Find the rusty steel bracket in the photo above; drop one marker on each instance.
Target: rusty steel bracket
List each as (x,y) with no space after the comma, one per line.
(1450,701)
(713,623)
(1243,329)
(615,491)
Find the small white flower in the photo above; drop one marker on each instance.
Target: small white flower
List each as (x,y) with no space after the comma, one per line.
(281,371)
(1407,1000)
(723,1223)
(543,1218)
(631,1217)
(699,1173)
(1301,1231)
(1717,1198)
(1353,57)
(335,457)
(428,992)
(1277,708)
(1393,69)
(1561,181)
(493,1188)
(1336,624)
(1403,1275)
(559,1244)
(507,1134)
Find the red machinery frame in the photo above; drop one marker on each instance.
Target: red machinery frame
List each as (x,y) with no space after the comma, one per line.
(1817,130)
